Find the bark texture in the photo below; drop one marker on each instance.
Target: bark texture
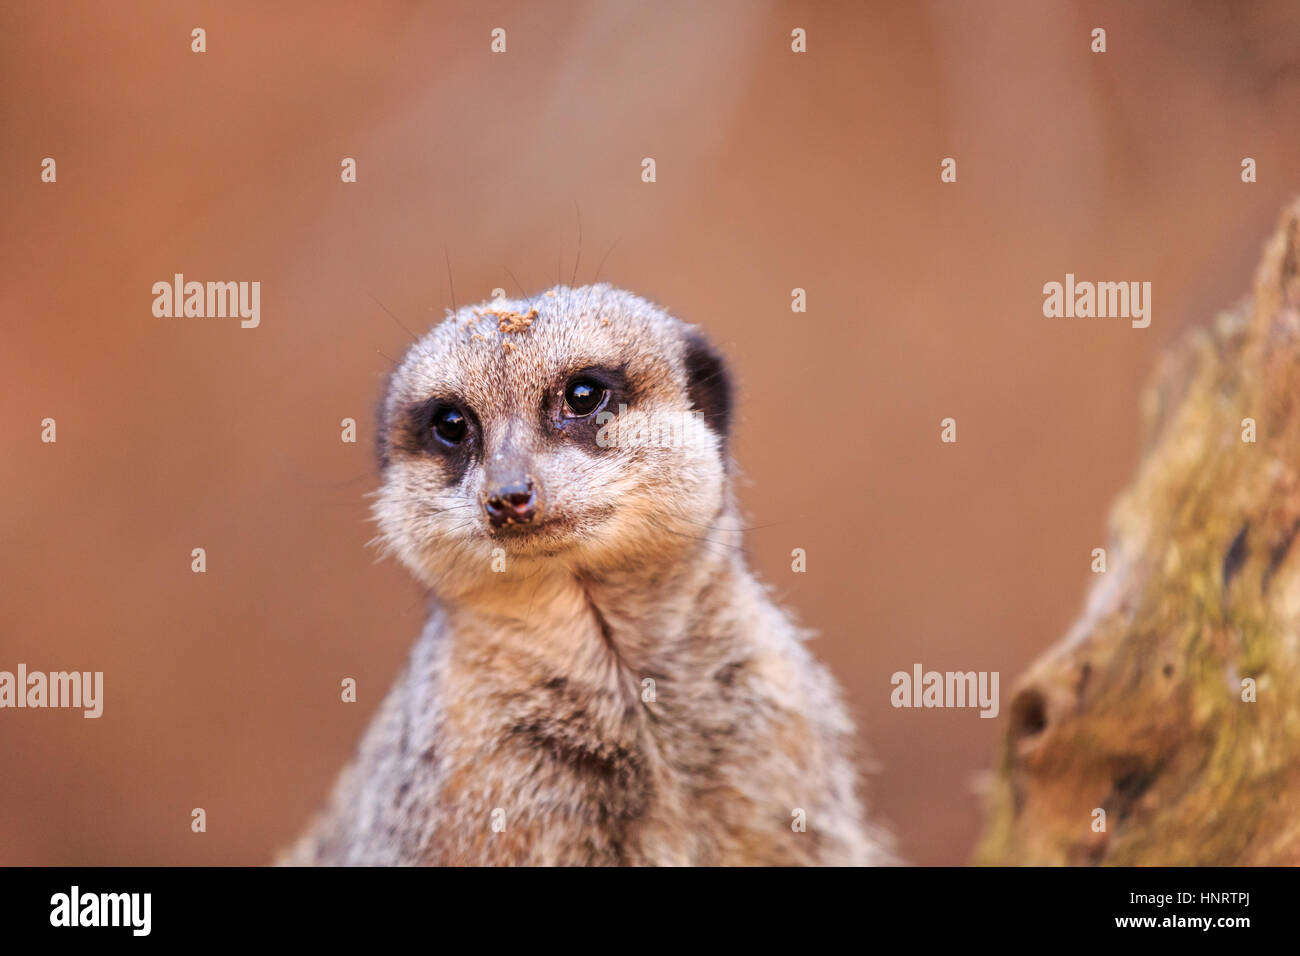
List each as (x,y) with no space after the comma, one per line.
(1139,710)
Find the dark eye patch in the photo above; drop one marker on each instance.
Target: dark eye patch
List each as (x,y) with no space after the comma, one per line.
(420,428)
(610,387)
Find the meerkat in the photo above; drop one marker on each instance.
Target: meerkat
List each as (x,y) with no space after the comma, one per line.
(603,681)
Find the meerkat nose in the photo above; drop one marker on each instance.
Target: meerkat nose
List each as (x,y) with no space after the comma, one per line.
(513,503)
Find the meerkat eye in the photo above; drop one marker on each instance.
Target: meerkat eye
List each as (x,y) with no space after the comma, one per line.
(449,425)
(585,395)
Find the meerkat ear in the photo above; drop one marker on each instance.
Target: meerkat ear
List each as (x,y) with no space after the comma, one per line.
(708,383)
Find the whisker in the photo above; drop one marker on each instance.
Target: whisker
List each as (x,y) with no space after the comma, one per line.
(402,325)
(578,257)
(601,264)
(522,292)
(392,316)
(738,549)
(451,284)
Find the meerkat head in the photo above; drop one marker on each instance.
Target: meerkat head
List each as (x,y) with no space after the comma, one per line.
(585,426)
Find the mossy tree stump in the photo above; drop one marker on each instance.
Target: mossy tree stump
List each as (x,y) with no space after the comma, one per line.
(1139,710)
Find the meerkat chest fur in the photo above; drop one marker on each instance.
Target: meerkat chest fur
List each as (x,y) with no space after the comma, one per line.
(614,699)
(603,680)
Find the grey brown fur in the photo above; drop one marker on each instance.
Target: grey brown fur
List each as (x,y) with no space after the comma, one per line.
(524,701)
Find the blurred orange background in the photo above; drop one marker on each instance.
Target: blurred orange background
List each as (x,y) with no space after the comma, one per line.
(775,170)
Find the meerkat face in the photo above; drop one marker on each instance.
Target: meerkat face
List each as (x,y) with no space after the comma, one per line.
(585,427)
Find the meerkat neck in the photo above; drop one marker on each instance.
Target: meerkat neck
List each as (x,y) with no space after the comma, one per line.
(635,621)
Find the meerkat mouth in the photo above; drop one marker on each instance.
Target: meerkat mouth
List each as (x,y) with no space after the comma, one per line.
(552,535)
(532,531)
